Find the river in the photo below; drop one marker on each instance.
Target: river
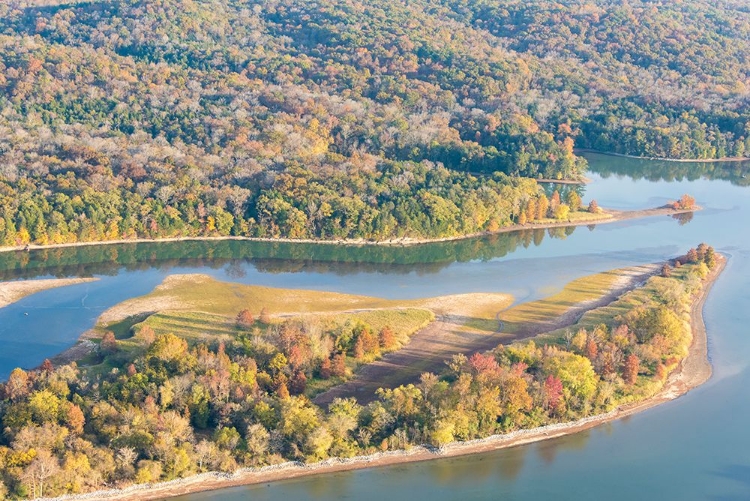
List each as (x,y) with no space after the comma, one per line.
(695,447)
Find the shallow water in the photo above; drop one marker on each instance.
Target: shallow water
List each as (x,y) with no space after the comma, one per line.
(693,448)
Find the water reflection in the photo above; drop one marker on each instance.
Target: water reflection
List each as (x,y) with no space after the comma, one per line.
(478,469)
(319,487)
(738,173)
(284,257)
(692,449)
(683,218)
(547,450)
(655,455)
(512,462)
(270,257)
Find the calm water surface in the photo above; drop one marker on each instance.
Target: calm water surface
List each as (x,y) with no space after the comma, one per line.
(695,448)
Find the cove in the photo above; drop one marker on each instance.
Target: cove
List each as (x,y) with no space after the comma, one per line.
(692,448)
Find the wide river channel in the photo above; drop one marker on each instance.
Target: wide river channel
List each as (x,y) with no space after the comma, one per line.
(694,448)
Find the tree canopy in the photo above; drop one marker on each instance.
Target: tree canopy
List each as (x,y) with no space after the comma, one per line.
(343,119)
(157,406)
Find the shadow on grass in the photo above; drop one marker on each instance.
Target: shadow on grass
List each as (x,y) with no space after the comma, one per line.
(191,326)
(124,328)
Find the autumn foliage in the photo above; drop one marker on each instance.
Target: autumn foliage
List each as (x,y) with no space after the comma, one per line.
(631,368)
(553,391)
(387,338)
(245,318)
(169,407)
(108,343)
(265,316)
(685,202)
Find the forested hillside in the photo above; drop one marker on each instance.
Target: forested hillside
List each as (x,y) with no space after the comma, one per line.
(343,119)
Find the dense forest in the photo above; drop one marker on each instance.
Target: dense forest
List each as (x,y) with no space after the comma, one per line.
(344,119)
(154,406)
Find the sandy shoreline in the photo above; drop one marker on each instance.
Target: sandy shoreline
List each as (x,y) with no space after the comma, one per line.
(10,292)
(693,371)
(662,159)
(616,216)
(582,181)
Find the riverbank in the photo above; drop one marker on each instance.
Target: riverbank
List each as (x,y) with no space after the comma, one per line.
(10,292)
(691,372)
(582,181)
(604,217)
(662,159)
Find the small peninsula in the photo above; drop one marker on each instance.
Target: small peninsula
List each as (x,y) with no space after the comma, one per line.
(10,292)
(556,215)
(205,384)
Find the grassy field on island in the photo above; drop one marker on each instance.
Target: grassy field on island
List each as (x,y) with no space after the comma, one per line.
(546,310)
(200,309)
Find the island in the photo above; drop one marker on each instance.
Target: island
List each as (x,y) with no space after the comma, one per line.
(204,384)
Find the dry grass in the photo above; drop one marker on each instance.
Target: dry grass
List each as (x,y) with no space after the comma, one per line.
(477,305)
(403,321)
(202,293)
(198,307)
(651,291)
(193,326)
(196,326)
(547,310)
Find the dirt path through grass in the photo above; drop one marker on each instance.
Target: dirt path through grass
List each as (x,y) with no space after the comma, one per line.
(429,348)
(426,352)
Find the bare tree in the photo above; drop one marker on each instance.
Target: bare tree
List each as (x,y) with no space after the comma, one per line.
(205,453)
(44,466)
